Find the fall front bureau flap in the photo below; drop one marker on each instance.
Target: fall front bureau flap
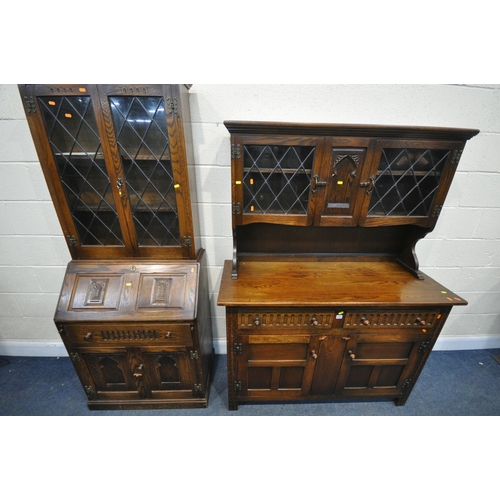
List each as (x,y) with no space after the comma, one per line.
(142,291)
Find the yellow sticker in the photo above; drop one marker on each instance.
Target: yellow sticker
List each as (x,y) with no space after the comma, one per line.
(340,183)
(239,182)
(442,291)
(176,186)
(128,284)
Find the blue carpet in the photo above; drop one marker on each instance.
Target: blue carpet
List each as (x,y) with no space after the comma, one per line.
(453,383)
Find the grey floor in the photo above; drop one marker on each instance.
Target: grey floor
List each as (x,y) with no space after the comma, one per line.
(453,383)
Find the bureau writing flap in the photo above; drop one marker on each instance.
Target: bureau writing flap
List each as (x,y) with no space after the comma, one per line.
(132,291)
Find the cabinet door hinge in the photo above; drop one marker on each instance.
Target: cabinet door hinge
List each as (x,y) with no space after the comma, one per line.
(437,210)
(236,208)
(238,348)
(186,241)
(455,155)
(406,385)
(75,356)
(193,354)
(29,101)
(72,241)
(197,387)
(237,385)
(235,151)
(423,347)
(172,105)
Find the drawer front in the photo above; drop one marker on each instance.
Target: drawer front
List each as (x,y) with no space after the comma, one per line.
(392,319)
(261,319)
(125,335)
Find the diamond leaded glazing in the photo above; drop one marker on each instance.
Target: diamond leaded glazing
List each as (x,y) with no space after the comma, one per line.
(276,179)
(407,181)
(75,143)
(141,131)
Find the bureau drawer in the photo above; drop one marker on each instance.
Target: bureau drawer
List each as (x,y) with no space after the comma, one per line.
(260,319)
(392,319)
(119,334)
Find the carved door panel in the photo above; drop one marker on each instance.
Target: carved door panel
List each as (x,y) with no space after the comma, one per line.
(275,367)
(338,186)
(172,373)
(116,373)
(379,364)
(160,372)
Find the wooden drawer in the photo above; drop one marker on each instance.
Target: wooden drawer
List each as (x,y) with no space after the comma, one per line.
(288,319)
(392,319)
(125,335)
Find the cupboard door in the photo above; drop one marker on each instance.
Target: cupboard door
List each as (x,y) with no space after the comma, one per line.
(379,365)
(172,372)
(146,152)
(275,367)
(65,128)
(110,374)
(273,177)
(161,372)
(338,190)
(408,181)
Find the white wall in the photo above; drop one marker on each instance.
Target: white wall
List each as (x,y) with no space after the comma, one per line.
(463,252)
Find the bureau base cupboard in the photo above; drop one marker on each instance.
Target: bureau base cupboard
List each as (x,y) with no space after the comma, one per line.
(138,332)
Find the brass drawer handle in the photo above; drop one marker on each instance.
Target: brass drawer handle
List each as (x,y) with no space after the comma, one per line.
(420,321)
(88,336)
(138,373)
(256,321)
(365,321)
(352,355)
(314,321)
(313,354)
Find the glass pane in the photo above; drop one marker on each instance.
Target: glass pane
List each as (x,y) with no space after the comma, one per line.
(407,181)
(141,131)
(276,179)
(75,143)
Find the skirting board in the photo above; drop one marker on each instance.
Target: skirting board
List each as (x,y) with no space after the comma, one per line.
(56,349)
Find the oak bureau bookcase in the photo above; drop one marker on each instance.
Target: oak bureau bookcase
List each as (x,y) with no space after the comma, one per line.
(133,312)
(324,297)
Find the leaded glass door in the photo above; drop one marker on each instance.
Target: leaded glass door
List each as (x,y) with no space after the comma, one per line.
(152,173)
(115,162)
(408,182)
(274,179)
(64,121)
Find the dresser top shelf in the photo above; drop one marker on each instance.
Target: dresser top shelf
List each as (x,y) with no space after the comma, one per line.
(324,284)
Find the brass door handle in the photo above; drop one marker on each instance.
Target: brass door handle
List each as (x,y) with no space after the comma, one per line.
(352,355)
(313,354)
